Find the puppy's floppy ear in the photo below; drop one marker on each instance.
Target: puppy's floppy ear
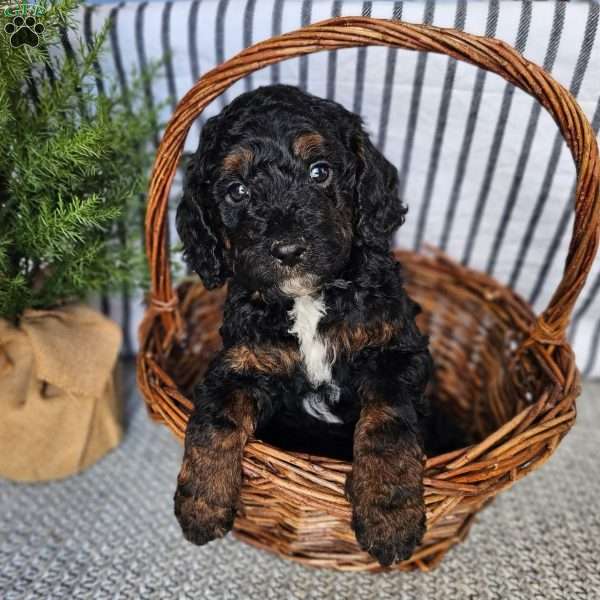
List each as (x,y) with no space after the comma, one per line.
(380,210)
(198,220)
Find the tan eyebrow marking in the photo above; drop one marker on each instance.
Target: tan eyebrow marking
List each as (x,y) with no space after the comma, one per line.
(306,143)
(236,160)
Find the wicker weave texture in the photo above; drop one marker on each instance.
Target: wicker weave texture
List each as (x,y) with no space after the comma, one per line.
(507,374)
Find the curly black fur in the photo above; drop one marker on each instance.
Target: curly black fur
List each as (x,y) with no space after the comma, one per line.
(345,225)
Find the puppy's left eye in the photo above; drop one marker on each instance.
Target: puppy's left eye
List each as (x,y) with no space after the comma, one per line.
(320,172)
(237,192)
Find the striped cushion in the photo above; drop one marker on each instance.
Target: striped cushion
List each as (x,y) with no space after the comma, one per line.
(484,170)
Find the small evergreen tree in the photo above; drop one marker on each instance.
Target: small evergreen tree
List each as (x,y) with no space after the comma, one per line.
(73,170)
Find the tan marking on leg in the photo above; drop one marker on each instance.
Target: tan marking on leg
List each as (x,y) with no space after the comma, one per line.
(347,340)
(210,479)
(277,360)
(386,485)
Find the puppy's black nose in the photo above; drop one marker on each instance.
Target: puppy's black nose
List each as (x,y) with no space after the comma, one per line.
(288,254)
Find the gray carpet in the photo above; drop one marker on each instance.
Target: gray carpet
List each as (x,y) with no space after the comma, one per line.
(110,533)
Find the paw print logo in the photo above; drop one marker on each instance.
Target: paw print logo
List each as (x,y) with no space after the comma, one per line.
(24,31)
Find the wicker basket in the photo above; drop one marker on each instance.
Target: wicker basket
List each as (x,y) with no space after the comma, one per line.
(509,376)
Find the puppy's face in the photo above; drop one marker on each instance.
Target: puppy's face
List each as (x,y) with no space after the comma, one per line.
(281,189)
(285,209)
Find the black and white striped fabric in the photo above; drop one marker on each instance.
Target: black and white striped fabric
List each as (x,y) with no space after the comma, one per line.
(484,170)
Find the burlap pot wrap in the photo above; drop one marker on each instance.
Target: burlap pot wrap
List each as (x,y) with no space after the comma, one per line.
(59,409)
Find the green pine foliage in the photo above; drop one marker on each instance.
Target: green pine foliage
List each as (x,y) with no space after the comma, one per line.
(73,171)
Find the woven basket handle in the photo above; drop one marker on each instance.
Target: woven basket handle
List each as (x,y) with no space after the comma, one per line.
(347,32)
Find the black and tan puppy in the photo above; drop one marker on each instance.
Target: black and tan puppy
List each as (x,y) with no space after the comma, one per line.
(288,200)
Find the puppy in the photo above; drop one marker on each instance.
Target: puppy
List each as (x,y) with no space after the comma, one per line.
(288,201)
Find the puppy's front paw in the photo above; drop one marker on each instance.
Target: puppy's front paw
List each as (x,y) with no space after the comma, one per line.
(388,508)
(388,533)
(200,521)
(205,507)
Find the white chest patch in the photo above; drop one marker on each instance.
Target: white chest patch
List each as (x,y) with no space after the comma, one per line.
(306,314)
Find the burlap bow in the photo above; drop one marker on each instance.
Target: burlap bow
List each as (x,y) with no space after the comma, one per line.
(59,411)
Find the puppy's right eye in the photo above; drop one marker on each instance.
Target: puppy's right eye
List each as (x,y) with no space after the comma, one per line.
(320,172)
(237,192)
